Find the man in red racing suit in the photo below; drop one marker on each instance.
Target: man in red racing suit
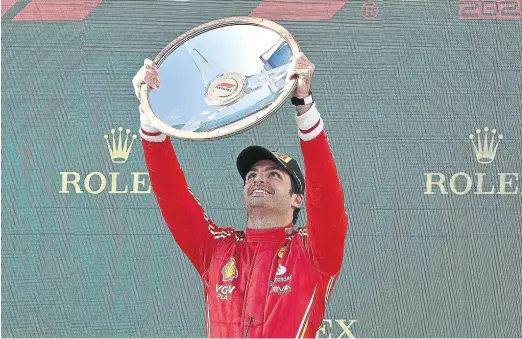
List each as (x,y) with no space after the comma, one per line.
(262,282)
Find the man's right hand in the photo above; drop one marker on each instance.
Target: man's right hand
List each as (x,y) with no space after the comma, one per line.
(148,74)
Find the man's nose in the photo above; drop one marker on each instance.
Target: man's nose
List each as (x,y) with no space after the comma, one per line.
(260,178)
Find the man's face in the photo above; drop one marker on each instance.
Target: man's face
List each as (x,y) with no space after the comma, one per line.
(268,186)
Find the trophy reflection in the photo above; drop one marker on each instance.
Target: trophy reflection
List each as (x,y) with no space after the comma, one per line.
(232,96)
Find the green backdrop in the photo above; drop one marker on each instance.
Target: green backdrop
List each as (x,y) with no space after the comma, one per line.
(400,93)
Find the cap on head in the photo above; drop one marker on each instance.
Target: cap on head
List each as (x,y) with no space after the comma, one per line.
(252,154)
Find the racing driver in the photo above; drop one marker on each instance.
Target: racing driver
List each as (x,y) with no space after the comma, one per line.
(272,280)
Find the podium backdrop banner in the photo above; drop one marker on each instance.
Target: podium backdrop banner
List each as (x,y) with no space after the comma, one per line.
(422,101)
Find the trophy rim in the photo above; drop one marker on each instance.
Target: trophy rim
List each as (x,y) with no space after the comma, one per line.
(247,122)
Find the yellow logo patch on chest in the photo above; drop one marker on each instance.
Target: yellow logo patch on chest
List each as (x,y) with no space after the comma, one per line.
(230,271)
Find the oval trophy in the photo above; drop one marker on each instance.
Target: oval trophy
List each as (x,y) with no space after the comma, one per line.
(221,78)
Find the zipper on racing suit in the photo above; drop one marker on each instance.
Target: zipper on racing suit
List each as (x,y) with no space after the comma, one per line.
(248,327)
(246,293)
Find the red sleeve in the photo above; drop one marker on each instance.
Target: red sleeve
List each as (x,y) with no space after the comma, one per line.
(326,213)
(193,231)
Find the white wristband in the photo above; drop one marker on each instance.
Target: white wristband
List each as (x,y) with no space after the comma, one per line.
(149,132)
(310,124)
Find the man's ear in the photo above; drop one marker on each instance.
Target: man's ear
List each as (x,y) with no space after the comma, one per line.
(298,201)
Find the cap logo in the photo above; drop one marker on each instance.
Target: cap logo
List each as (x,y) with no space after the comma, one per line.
(283,157)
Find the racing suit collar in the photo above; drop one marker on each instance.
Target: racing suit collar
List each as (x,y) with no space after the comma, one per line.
(271,234)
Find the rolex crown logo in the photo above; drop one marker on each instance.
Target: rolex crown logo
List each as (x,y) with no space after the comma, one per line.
(120,149)
(486,146)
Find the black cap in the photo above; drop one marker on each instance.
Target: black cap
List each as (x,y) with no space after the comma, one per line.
(250,155)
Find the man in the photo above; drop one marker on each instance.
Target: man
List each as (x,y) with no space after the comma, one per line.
(271,280)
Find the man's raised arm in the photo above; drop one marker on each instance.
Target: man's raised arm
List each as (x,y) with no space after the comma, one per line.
(326,213)
(327,222)
(192,230)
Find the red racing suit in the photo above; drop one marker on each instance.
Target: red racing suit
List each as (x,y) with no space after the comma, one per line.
(259,283)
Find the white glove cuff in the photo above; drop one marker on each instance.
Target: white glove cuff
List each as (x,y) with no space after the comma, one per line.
(310,124)
(149,132)
(145,123)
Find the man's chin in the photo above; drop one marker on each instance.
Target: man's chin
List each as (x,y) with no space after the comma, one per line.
(257,201)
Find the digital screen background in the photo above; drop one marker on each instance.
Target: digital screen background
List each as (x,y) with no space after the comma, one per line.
(434,245)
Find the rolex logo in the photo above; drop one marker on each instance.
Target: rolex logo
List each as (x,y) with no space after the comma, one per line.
(485,143)
(94,182)
(485,146)
(120,149)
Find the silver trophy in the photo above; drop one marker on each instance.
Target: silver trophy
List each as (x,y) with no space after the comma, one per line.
(221,78)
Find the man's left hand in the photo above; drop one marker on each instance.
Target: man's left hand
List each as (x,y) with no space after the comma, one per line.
(303,69)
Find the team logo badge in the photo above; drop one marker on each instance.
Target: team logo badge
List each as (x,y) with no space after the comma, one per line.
(282,157)
(230,271)
(281,251)
(281,270)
